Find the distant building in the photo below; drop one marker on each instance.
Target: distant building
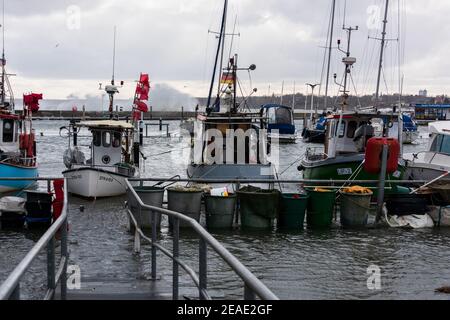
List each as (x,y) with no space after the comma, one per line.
(423,93)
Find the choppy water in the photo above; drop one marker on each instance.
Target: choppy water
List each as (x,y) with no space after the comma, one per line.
(300,265)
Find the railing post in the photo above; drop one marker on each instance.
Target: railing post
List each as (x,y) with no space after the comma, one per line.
(154,239)
(203,268)
(51,265)
(49,186)
(16,293)
(65,254)
(248,293)
(176,250)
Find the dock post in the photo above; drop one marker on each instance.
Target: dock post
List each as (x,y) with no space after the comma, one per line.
(182,113)
(203,268)
(160,124)
(176,254)
(154,231)
(64,253)
(382,182)
(51,266)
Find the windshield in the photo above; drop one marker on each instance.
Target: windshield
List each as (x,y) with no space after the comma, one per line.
(441,144)
(283,115)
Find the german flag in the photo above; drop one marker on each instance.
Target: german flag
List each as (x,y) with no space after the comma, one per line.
(227,77)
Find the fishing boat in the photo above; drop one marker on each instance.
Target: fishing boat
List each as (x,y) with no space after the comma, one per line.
(278,120)
(115,147)
(227,139)
(17,138)
(347,133)
(410,131)
(435,162)
(104,174)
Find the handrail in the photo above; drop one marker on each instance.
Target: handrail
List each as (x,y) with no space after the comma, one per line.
(253,286)
(268,181)
(10,288)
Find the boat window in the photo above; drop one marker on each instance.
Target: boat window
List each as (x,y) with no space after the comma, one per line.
(352,125)
(116,139)
(97,138)
(8,130)
(341,129)
(441,144)
(106,139)
(283,116)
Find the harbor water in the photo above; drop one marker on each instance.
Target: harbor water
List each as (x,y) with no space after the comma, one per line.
(324,264)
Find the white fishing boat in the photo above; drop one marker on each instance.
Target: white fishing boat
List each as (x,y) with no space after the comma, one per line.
(435,162)
(104,174)
(114,151)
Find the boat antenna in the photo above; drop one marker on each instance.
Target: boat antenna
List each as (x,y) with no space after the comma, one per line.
(114,55)
(380,65)
(218,52)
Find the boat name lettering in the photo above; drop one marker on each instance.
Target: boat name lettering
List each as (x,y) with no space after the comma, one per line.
(106,179)
(344,171)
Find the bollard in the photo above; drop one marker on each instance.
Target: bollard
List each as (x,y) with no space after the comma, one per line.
(382,182)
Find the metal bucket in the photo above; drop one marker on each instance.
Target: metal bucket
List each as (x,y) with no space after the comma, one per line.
(220,211)
(293,208)
(258,207)
(188,203)
(320,208)
(154,197)
(355,209)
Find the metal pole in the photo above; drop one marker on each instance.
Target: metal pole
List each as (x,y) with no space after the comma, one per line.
(203,268)
(64,253)
(16,293)
(329,53)
(176,250)
(381,184)
(383,40)
(154,231)
(248,293)
(51,265)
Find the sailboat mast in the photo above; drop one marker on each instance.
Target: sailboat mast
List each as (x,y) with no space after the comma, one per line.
(330,48)
(383,41)
(114,56)
(219,46)
(3,98)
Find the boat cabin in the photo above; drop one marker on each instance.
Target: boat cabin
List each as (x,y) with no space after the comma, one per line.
(440,137)
(349,134)
(278,117)
(111,144)
(9,135)
(234,139)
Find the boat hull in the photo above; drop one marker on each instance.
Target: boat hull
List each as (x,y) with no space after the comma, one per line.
(342,168)
(12,171)
(231,172)
(95,183)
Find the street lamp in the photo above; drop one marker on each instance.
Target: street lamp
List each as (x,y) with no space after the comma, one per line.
(313,86)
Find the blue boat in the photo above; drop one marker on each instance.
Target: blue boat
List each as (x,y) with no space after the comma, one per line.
(279,122)
(17,139)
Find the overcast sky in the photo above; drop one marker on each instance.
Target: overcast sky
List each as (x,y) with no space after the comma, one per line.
(64,47)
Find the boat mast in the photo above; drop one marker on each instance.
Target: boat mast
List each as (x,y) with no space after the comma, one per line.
(330,48)
(383,42)
(3,59)
(220,51)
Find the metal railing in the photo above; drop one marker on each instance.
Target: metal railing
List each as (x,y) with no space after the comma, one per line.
(10,288)
(253,287)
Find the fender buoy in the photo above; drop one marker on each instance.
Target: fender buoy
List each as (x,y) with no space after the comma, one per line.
(374,153)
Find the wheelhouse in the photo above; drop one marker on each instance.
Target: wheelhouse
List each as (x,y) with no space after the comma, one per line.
(278,117)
